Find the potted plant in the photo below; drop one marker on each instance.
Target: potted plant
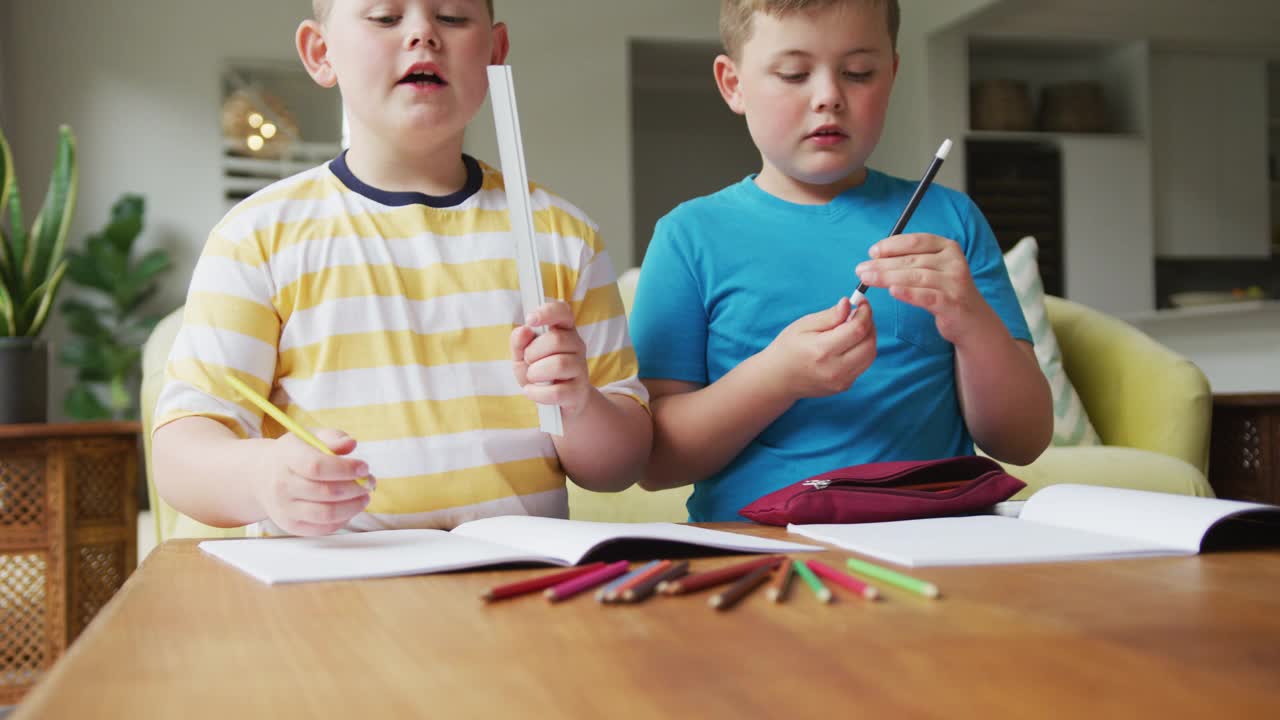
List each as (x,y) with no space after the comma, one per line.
(31,270)
(110,330)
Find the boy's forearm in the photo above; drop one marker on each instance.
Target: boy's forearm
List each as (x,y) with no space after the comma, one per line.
(696,434)
(607,444)
(206,472)
(1004,395)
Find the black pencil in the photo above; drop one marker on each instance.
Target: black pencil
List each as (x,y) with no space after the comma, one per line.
(642,590)
(910,210)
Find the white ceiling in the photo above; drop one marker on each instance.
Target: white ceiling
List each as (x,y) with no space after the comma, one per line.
(1250,27)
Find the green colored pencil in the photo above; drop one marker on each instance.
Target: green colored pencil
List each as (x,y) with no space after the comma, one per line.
(896,579)
(824,595)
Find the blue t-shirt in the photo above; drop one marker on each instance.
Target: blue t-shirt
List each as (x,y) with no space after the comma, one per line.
(725,273)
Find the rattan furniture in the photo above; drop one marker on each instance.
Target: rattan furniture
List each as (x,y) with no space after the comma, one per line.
(68,538)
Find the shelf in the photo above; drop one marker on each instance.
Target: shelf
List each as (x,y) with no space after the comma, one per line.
(1201,311)
(1045,135)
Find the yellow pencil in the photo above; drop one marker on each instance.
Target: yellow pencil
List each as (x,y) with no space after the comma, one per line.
(265,406)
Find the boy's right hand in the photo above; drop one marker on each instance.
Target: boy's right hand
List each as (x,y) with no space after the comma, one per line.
(821,354)
(307,492)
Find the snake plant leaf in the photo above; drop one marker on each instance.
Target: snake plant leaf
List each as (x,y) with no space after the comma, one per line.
(8,324)
(49,233)
(50,289)
(9,194)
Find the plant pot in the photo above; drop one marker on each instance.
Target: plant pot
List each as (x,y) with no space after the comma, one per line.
(24,380)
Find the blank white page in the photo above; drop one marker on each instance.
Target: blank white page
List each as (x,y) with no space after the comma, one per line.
(384,553)
(975,540)
(1179,521)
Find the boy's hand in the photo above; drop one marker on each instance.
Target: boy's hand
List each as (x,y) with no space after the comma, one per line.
(821,354)
(306,492)
(930,272)
(552,367)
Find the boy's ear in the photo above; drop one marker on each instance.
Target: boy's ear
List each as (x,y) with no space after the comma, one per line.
(501,44)
(727,81)
(314,52)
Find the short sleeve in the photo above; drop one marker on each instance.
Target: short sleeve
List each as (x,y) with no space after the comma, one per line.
(229,327)
(990,275)
(669,317)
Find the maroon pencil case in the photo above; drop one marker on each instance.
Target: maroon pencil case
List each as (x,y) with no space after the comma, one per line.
(879,492)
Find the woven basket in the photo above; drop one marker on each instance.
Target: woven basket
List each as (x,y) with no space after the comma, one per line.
(1000,105)
(1073,107)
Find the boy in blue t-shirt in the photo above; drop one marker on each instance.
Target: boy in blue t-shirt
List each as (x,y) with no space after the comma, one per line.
(757,380)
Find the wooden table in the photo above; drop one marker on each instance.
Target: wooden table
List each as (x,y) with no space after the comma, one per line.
(188,637)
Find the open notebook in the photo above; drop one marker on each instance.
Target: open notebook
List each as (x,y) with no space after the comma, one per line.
(1060,522)
(479,543)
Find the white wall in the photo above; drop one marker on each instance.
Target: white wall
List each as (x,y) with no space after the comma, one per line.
(139,83)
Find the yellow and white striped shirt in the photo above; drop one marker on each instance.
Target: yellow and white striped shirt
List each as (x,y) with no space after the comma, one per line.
(388,316)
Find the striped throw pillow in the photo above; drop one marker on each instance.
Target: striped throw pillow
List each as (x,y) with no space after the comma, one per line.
(1071,424)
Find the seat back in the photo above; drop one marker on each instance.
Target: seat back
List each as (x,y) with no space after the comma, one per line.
(1138,393)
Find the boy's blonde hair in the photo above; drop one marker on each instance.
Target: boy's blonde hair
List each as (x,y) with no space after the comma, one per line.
(320,8)
(736,17)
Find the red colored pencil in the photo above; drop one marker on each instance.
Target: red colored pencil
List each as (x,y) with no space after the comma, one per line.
(700,581)
(573,586)
(539,583)
(845,580)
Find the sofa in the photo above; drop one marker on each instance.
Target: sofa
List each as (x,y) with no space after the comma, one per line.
(1150,406)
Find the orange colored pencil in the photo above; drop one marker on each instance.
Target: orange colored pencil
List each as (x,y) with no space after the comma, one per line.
(781,586)
(617,593)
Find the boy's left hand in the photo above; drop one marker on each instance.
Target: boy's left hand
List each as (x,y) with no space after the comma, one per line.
(930,272)
(552,367)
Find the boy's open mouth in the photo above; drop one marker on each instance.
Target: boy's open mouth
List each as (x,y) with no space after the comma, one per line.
(828,131)
(423,74)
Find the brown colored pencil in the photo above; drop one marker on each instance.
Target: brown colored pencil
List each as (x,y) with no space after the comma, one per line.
(701,581)
(730,596)
(781,586)
(643,589)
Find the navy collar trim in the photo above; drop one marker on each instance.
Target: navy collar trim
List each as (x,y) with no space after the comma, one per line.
(475,178)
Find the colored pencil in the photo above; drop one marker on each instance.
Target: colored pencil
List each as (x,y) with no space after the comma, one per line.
(701,581)
(897,579)
(539,583)
(844,580)
(820,590)
(573,586)
(781,586)
(609,591)
(287,422)
(654,568)
(730,596)
(644,588)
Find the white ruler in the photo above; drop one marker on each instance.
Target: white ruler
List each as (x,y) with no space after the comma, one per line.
(515,176)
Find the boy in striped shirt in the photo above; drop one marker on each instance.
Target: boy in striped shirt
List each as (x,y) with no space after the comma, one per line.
(377,297)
